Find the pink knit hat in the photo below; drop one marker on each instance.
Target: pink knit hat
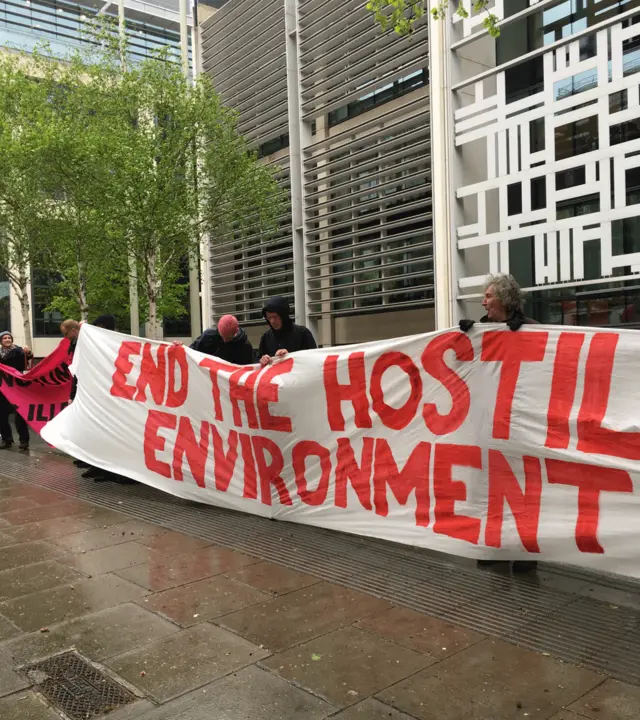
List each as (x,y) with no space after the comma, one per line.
(228,326)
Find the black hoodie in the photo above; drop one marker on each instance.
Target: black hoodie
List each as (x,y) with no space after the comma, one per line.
(291,337)
(238,351)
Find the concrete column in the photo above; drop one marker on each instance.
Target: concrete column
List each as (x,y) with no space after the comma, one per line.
(299,138)
(442,160)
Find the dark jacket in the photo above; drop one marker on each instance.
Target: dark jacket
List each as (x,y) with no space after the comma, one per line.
(16,359)
(238,351)
(291,337)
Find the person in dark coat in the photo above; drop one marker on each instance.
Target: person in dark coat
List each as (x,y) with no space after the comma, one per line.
(228,342)
(17,358)
(504,303)
(283,335)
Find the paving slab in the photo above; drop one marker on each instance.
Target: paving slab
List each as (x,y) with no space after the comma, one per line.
(613,700)
(203,600)
(271,578)
(26,705)
(47,607)
(6,540)
(302,615)
(97,636)
(168,541)
(15,556)
(184,661)
(491,680)
(370,709)
(250,694)
(97,516)
(346,665)
(9,504)
(7,629)
(97,538)
(107,559)
(46,529)
(46,512)
(421,633)
(10,680)
(40,496)
(163,572)
(28,579)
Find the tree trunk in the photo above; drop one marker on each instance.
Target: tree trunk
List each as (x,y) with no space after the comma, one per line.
(25,307)
(154,322)
(82,291)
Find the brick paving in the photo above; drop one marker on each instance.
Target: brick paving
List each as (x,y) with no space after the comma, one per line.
(201,632)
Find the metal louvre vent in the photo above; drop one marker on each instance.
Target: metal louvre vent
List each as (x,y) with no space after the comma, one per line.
(75,687)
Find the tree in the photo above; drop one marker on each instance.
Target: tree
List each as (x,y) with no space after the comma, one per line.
(25,199)
(161,164)
(401,15)
(140,163)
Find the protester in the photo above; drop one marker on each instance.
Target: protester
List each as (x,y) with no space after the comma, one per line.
(504,303)
(17,358)
(283,335)
(228,341)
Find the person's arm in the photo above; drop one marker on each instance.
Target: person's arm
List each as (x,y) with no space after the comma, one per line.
(308,341)
(248,355)
(195,345)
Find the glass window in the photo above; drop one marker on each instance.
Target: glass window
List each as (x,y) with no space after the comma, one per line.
(379,97)
(46,323)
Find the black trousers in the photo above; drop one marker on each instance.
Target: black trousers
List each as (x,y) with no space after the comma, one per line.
(5,427)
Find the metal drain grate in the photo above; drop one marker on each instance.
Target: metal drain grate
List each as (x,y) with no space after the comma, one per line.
(75,687)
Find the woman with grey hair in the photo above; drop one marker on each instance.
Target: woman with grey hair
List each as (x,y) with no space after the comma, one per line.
(503,302)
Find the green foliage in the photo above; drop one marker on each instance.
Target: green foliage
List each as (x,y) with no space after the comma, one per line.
(401,15)
(117,159)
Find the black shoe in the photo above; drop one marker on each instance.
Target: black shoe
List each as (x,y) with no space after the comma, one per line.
(6,444)
(492,563)
(81,464)
(92,473)
(524,566)
(24,445)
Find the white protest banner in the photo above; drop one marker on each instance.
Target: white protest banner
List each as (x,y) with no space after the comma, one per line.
(495,444)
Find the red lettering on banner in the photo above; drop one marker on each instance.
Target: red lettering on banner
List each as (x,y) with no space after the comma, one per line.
(268,393)
(563,389)
(270,471)
(224,463)
(152,374)
(250,489)
(433,363)
(413,477)
(448,491)
(214,367)
(348,470)
(592,436)
(355,391)
(590,481)
(243,393)
(511,349)
(196,451)
(301,451)
(525,505)
(154,443)
(123,366)
(395,418)
(177,359)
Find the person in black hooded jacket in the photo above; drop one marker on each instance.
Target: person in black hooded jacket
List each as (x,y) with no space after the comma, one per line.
(283,335)
(17,358)
(228,342)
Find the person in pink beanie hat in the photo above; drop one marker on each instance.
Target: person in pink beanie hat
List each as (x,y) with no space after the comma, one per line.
(228,341)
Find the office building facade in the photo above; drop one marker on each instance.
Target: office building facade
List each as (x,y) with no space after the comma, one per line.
(416,167)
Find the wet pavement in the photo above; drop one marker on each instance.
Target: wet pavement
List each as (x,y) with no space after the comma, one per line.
(200,631)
